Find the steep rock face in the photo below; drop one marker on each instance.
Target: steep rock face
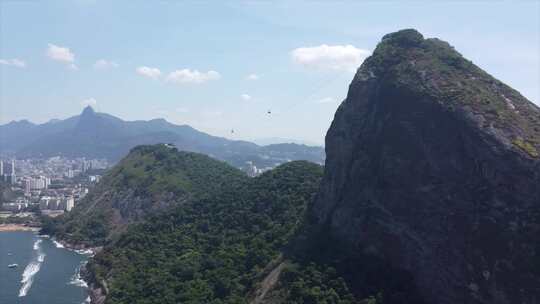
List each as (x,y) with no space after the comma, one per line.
(433,165)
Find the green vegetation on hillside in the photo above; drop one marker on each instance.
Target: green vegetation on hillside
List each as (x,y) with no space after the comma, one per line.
(314,283)
(432,67)
(527,147)
(214,239)
(149,179)
(212,249)
(154,170)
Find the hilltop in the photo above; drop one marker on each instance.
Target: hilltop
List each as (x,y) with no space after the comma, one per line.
(203,229)
(147,180)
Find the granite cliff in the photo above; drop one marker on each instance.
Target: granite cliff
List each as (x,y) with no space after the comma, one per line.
(433,165)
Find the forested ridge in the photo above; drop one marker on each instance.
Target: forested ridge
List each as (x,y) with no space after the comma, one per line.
(148,179)
(209,250)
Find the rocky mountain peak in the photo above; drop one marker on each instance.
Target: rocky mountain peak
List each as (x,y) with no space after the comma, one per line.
(433,165)
(87,111)
(89,121)
(433,68)
(406,37)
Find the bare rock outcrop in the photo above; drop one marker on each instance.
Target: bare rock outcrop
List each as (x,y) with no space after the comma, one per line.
(433,165)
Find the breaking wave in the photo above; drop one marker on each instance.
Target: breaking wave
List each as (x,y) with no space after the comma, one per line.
(32,269)
(57,244)
(76,278)
(88,252)
(36,244)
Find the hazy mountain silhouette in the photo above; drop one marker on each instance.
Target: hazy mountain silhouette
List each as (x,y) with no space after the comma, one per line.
(100,135)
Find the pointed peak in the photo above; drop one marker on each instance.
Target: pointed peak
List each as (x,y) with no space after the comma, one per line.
(88,118)
(88,110)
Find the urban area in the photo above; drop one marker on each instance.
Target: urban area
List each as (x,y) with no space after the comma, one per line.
(48,186)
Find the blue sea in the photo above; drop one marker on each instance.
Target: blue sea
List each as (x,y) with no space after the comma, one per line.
(47,272)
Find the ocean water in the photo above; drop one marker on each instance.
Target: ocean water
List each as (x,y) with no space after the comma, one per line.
(47,273)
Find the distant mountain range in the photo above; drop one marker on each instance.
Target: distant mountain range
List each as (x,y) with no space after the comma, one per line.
(279,140)
(100,135)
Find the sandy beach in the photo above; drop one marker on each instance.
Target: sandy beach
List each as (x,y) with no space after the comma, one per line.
(16,227)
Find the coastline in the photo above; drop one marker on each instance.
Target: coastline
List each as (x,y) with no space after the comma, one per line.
(17,227)
(80,249)
(95,293)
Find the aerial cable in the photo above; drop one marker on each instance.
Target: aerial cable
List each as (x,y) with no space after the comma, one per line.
(312,93)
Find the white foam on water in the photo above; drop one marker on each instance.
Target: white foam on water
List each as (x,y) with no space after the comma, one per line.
(31,269)
(57,244)
(87,252)
(84,252)
(36,244)
(76,278)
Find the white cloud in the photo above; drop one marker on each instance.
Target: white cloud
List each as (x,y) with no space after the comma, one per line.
(89,102)
(245,97)
(103,64)
(13,62)
(327,100)
(59,53)
(333,57)
(189,76)
(73,67)
(253,77)
(182,110)
(153,73)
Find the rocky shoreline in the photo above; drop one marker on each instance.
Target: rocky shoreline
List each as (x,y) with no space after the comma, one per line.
(79,248)
(95,292)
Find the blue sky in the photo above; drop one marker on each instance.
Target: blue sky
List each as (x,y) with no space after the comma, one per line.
(221,65)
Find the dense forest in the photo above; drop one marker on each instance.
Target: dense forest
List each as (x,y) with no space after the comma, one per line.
(209,250)
(149,179)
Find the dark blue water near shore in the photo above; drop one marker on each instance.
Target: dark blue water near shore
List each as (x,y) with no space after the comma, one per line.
(45,275)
